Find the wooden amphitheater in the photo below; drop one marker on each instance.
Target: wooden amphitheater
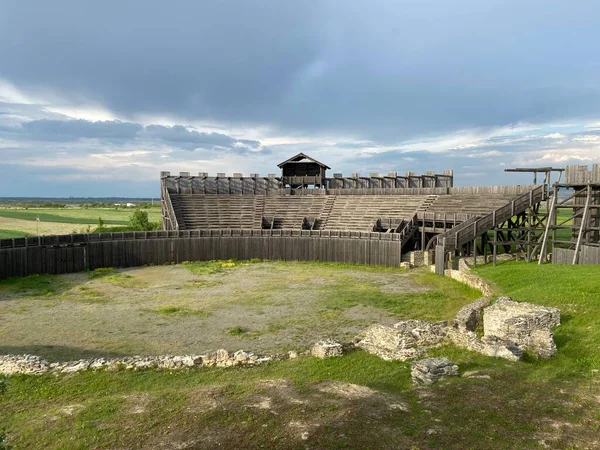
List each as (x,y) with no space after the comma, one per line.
(415,212)
(302,214)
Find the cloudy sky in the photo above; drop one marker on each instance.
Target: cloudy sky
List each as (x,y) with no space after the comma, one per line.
(97,97)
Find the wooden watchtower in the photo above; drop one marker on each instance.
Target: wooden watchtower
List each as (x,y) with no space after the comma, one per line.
(301,171)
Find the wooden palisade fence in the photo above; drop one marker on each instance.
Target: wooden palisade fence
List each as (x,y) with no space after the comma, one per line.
(74,253)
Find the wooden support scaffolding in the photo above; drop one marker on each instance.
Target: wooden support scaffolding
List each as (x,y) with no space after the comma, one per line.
(574,219)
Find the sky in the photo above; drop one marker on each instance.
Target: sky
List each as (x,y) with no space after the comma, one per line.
(98,97)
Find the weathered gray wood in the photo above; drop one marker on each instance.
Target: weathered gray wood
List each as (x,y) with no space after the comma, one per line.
(440,259)
(584,224)
(136,249)
(588,255)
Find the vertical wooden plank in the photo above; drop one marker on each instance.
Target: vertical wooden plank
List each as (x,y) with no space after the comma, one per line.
(440,259)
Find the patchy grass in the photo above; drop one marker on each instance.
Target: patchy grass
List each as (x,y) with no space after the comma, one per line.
(84,294)
(163,309)
(441,303)
(575,290)
(201,283)
(34,285)
(110,275)
(101,272)
(170,310)
(357,401)
(237,331)
(212,267)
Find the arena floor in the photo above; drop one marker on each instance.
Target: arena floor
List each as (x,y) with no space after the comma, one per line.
(192,308)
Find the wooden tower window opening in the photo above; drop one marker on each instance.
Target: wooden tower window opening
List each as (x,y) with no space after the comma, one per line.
(301,171)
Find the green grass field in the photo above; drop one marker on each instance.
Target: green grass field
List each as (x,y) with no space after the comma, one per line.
(10,234)
(19,222)
(357,401)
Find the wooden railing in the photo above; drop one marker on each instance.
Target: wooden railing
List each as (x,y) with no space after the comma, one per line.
(272,186)
(430,216)
(167,207)
(475,226)
(409,228)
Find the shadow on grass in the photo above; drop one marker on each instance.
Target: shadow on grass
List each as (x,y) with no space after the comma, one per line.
(57,352)
(37,286)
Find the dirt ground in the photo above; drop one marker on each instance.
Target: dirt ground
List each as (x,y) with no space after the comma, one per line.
(262,307)
(43,228)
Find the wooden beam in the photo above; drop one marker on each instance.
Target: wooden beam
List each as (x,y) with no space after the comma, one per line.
(586,212)
(550,216)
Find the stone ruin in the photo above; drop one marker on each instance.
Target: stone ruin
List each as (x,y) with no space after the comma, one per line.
(36,365)
(509,329)
(470,316)
(327,349)
(402,341)
(431,370)
(526,325)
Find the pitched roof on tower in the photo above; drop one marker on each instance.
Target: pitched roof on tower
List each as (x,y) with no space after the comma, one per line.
(301,157)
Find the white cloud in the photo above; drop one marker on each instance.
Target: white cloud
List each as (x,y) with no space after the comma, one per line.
(84,112)
(10,94)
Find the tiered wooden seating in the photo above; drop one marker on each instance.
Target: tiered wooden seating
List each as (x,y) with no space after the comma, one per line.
(217,211)
(469,204)
(288,212)
(353,212)
(339,212)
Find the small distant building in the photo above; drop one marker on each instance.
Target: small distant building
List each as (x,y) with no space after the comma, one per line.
(302,171)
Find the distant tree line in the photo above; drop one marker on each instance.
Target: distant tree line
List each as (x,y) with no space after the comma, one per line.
(138,221)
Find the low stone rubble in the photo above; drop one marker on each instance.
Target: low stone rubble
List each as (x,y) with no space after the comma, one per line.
(527,325)
(500,348)
(23,364)
(402,341)
(327,349)
(431,370)
(35,365)
(469,316)
(509,329)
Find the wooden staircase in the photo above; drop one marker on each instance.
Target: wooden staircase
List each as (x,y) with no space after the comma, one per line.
(429,200)
(470,229)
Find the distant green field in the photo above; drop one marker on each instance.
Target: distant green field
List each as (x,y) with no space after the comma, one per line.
(11,234)
(20,222)
(77,215)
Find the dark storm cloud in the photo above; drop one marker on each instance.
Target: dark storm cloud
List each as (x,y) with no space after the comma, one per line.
(191,139)
(380,78)
(115,131)
(382,70)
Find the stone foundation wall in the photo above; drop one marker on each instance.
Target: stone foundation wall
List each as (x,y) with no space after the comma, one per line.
(35,365)
(418,258)
(464,275)
(529,326)
(402,341)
